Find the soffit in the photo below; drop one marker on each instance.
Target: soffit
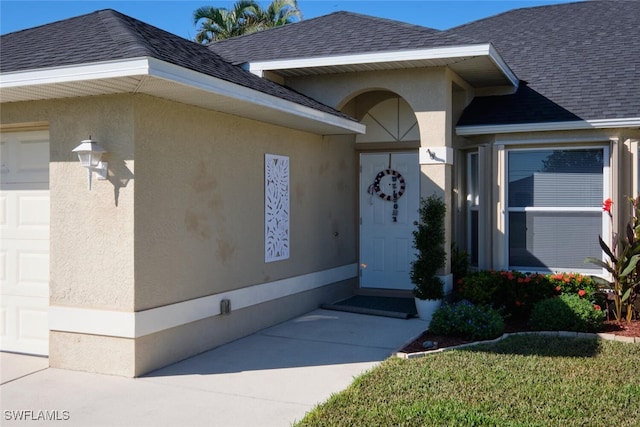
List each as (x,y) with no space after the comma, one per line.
(287,114)
(477,71)
(479,65)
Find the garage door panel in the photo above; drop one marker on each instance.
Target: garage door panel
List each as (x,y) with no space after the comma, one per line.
(33,210)
(24,325)
(25,157)
(4,215)
(24,248)
(33,269)
(25,267)
(32,160)
(25,214)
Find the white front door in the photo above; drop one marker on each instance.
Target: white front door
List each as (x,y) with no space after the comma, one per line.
(389,201)
(24,249)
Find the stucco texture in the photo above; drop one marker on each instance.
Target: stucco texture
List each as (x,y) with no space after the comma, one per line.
(199,203)
(91,232)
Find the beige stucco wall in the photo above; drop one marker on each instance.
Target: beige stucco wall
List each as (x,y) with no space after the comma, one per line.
(199,204)
(193,227)
(437,97)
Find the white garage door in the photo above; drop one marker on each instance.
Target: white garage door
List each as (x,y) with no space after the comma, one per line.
(24,251)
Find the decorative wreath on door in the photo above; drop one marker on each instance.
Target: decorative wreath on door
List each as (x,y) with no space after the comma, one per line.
(397,179)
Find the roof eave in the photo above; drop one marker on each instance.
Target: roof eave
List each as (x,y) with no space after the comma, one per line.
(451,56)
(472,130)
(135,75)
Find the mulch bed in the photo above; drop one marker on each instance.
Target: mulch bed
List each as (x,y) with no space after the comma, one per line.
(631,329)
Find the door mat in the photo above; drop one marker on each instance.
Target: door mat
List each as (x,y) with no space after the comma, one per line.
(400,308)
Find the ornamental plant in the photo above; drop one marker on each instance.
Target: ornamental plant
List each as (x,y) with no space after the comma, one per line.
(512,292)
(622,263)
(568,312)
(428,239)
(571,283)
(468,321)
(479,287)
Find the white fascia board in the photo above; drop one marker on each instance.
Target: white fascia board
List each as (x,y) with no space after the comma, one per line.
(552,126)
(74,73)
(165,70)
(502,65)
(487,49)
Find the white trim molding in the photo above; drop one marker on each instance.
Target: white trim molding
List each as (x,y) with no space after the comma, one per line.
(630,122)
(140,323)
(436,155)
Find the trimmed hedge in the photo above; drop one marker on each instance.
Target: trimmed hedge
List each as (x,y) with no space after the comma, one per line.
(568,312)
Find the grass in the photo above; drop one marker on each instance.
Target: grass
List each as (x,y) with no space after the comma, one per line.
(525,380)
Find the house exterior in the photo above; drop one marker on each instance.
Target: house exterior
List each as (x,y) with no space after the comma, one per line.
(253,179)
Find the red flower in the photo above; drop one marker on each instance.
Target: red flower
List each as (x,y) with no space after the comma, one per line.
(558,288)
(596,307)
(581,293)
(606,206)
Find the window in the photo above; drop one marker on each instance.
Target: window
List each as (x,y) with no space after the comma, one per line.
(473,203)
(554,214)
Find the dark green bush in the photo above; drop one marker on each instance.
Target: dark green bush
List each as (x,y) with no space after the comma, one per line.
(478,287)
(465,320)
(568,312)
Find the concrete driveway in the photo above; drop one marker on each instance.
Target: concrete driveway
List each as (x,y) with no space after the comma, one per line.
(270,378)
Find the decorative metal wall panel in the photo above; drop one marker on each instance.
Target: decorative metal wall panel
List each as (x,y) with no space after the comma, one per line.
(276,207)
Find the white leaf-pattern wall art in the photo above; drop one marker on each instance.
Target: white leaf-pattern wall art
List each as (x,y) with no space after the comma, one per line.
(276,207)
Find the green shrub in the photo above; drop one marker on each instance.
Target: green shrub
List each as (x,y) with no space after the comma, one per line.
(568,312)
(512,292)
(465,320)
(518,293)
(428,240)
(478,287)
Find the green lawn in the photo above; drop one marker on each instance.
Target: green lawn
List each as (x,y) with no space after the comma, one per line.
(520,381)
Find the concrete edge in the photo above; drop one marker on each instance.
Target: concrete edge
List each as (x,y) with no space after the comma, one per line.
(565,334)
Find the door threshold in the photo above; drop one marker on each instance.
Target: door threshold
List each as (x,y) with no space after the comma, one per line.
(381,292)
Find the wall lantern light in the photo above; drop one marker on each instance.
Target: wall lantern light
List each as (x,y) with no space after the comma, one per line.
(89,154)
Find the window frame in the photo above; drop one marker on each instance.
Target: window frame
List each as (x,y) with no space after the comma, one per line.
(605,223)
(473,182)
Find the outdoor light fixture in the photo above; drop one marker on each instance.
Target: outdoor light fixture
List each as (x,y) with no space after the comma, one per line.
(89,154)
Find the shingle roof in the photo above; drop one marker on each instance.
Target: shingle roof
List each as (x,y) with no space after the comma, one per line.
(339,33)
(108,35)
(581,61)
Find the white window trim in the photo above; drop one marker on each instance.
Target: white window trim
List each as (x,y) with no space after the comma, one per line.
(504,178)
(472,205)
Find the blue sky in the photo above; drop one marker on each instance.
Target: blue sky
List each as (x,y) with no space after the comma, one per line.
(175,16)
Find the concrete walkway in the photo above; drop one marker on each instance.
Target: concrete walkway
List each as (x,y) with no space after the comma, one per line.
(271,378)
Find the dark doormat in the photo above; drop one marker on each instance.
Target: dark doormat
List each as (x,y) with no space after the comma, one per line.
(401,308)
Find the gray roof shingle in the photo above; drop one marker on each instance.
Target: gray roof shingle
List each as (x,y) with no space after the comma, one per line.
(109,35)
(339,33)
(581,61)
